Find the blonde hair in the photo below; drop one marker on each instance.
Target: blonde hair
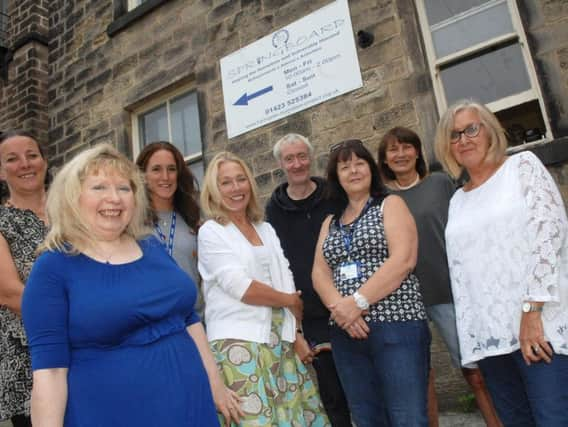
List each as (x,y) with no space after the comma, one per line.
(211,200)
(496,134)
(68,230)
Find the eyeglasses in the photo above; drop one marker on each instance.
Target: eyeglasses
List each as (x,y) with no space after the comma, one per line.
(346,144)
(471,132)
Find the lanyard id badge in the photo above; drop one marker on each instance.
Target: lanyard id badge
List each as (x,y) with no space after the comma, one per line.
(169,244)
(349,270)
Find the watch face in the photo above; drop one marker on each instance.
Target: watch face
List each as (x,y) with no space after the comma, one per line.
(526,307)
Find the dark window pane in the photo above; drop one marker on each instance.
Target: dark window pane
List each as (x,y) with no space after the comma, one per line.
(153,126)
(472,29)
(487,77)
(186,134)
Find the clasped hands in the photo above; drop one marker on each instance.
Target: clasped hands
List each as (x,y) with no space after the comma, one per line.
(349,317)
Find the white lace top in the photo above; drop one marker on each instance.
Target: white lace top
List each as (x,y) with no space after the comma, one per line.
(507,243)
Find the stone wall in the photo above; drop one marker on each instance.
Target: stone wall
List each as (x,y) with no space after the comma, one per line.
(24,101)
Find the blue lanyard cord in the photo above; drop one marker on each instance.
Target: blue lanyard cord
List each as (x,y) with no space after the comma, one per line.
(347,234)
(170,242)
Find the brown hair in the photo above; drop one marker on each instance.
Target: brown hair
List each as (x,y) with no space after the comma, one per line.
(185,196)
(404,135)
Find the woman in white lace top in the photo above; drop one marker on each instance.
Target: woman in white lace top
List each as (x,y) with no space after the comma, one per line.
(507,251)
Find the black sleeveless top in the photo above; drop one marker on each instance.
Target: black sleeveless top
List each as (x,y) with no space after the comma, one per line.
(369,249)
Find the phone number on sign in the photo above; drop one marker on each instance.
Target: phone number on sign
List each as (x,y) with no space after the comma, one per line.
(288,103)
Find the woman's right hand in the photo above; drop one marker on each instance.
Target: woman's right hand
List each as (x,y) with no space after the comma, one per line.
(359,329)
(296,305)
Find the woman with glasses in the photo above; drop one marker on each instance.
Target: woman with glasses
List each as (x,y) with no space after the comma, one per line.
(507,252)
(363,274)
(402,163)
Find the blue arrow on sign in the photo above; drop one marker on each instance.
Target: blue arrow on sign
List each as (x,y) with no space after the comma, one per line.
(244,100)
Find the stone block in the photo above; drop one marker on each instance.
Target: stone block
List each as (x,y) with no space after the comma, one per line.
(400,115)
(373,102)
(207,74)
(246,147)
(125,65)
(264,183)
(218,121)
(99,81)
(264,162)
(555,10)
(218,142)
(380,53)
(296,123)
(223,11)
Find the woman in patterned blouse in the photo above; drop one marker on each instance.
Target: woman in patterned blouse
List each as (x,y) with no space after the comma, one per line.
(362,273)
(23,169)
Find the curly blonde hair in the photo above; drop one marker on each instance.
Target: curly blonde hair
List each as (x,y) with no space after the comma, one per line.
(68,230)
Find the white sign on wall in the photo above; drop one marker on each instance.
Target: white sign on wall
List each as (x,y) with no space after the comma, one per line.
(308,62)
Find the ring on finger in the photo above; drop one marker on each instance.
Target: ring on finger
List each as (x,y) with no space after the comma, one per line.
(536,348)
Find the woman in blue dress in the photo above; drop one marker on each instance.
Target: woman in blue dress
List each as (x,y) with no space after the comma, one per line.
(113,335)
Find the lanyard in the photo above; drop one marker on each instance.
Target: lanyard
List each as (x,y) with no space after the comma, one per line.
(347,235)
(170,243)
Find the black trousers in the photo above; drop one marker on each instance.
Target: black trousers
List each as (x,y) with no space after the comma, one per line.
(331,392)
(21,421)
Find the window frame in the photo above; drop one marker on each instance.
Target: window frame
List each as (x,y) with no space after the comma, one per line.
(435,65)
(155,102)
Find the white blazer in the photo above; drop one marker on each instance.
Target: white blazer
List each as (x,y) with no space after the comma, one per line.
(226,262)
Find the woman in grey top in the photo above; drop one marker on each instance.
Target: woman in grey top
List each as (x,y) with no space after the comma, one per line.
(405,171)
(175,212)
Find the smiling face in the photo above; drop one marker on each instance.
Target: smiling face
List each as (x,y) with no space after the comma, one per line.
(161,176)
(469,152)
(234,187)
(401,157)
(354,175)
(22,165)
(106,204)
(296,162)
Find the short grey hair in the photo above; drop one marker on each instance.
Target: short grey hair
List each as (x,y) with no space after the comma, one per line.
(290,139)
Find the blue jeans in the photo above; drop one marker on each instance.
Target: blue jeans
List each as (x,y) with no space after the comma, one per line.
(535,395)
(385,377)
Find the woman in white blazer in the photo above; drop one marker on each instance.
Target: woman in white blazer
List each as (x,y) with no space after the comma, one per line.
(252,308)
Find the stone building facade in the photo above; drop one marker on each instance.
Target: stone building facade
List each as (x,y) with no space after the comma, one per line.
(81,72)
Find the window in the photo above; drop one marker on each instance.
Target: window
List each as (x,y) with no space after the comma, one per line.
(478,49)
(131,4)
(174,119)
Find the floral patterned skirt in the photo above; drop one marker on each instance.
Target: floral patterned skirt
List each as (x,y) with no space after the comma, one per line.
(275,386)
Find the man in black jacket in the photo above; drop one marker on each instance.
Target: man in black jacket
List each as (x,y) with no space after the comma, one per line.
(296,210)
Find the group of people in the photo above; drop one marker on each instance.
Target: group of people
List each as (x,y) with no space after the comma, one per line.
(341,272)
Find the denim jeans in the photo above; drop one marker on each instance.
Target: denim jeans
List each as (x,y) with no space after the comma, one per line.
(535,395)
(385,377)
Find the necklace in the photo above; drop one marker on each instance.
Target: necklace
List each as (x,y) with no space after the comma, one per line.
(106,256)
(406,187)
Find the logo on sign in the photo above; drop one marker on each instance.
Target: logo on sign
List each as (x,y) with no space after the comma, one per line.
(280,38)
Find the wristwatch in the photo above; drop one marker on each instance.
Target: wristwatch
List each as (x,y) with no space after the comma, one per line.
(361,301)
(530,307)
